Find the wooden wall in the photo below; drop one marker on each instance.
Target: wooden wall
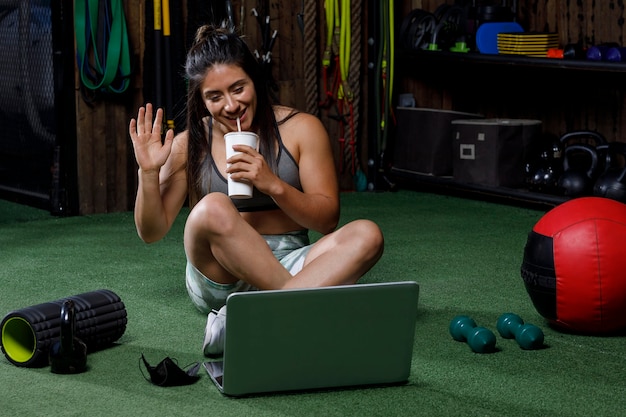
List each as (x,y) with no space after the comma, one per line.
(297,65)
(564,100)
(106,166)
(105,163)
(589,21)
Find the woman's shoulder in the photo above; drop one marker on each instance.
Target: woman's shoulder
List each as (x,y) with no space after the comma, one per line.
(178,154)
(181,140)
(301,132)
(286,115)
(181,136)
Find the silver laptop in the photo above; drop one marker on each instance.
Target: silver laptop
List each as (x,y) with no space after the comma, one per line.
(319,338)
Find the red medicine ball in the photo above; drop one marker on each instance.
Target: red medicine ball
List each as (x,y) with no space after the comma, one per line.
(574,266)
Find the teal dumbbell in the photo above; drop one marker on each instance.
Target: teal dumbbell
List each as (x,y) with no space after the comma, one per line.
(479,339)
(528,336)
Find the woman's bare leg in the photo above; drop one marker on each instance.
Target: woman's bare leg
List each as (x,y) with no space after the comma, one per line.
(341,257)
(225,248)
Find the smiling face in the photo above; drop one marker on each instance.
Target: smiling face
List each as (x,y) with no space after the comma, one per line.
(228,92)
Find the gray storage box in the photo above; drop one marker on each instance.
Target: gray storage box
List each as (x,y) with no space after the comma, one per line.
(492,152)
(424,140)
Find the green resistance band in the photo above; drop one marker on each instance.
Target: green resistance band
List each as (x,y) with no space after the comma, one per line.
(117,62)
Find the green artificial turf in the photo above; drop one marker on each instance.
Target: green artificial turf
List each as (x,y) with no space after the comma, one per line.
(465,254)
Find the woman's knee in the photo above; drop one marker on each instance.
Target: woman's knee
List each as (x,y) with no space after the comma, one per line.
(367,235)
(214,213)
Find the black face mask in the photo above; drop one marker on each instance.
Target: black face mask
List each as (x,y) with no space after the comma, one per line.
(168,374)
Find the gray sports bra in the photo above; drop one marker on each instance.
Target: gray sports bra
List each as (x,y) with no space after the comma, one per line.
(288,171)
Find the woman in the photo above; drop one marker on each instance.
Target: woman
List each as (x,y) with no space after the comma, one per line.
(260,243)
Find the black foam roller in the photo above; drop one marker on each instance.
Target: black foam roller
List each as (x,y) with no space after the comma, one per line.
(28,333)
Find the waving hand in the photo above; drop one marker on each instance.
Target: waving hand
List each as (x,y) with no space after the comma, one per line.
(150,152)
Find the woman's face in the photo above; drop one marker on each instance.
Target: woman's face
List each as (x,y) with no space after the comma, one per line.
(228,92)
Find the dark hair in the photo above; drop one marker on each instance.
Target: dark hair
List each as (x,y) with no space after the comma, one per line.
(221,45)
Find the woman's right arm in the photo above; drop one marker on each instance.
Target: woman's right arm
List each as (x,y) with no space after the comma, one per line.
(162,184)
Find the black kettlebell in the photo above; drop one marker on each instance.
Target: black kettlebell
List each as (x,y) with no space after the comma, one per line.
(611,183)
(580,163)
(589,137)
(68,355)
(577,179)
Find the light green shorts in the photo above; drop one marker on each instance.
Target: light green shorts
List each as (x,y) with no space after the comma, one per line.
(290,249)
